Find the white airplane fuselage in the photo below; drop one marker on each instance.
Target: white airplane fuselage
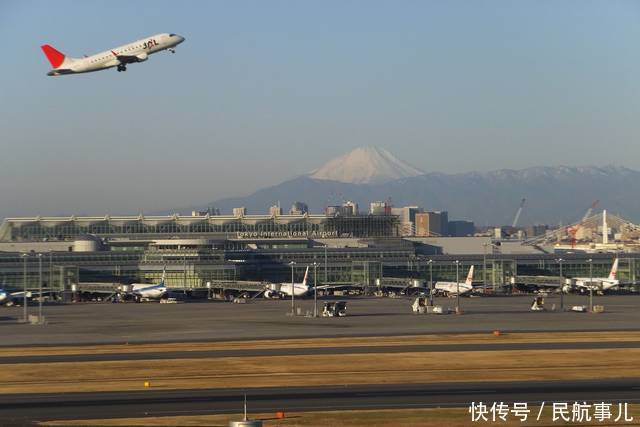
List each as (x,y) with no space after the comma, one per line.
(149,291)
(452,288)
(137,51)
(457,288)
(276,290)
(599,283)
(284,289)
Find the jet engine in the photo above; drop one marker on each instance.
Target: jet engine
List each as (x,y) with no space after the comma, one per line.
(269,293)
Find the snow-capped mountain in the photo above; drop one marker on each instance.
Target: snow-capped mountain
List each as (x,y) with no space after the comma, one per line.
(365,165)
(554,193)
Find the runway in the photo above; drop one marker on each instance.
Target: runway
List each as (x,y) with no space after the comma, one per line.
(267,319)
(160,355)
(21,409)
(235,323)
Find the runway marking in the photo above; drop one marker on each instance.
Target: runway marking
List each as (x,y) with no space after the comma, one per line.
(304,408)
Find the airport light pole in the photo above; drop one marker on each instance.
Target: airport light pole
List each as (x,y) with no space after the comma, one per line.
(292,263)
(560,261)
(315,289)
(430,262)
(40,289)
(484,267)
(325,264)
(24,287)
(457,287)
(50,270)
(590,261)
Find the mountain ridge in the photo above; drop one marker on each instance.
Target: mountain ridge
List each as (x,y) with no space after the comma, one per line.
(555,194)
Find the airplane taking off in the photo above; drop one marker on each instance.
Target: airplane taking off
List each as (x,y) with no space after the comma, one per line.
(278,290)
(137,51)
(451,288)
(599,283)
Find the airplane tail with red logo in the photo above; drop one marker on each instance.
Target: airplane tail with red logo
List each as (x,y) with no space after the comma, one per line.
(613,275)
(469,281)
(55,57)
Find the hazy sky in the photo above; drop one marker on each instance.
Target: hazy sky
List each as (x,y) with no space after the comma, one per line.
(262,91)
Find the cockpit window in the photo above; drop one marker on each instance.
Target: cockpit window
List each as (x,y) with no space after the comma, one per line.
(171,35)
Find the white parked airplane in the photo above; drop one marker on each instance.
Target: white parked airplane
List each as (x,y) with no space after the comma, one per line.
(147,291)
(599,283)
(137,51)
(279,290)
(451,288)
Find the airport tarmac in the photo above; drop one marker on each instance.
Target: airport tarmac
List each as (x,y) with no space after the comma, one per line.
(259,318)
(23,409)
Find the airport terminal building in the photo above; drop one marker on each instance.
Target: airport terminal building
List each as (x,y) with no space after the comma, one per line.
(210,226)
(223,250)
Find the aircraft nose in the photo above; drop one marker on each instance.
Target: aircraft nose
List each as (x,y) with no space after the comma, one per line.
(180,39)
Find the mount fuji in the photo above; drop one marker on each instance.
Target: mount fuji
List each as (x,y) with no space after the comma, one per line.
(555,194)
(365,165)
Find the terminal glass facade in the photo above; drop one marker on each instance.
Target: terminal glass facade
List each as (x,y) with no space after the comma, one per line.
(258,226)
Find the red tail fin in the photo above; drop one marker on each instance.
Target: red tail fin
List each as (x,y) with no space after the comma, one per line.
(55,57)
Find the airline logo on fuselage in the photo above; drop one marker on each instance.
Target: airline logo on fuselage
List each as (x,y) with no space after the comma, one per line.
(149,44)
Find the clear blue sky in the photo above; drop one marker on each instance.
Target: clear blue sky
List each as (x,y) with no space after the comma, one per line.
(262,91)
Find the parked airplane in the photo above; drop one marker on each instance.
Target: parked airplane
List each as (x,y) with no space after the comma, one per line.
(451,288)
(147,291)
(279,290)
(599,283)
(10,298)
(137,51)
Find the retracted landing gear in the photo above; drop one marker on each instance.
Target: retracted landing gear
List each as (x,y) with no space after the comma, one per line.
(122,67)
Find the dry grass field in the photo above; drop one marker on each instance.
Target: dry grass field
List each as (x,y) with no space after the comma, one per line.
(315,370)
(440,417)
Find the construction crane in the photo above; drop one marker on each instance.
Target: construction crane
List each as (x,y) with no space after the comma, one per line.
(572,230)
(591,208)
(517,217)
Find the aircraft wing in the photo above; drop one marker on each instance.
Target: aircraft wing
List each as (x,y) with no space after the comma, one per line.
(332,287)
(60,71)
(126,59)
(21,294)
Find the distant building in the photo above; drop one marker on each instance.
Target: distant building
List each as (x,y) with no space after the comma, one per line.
(275,210)
(239,212)
(333,210)
(407,217)
(350,208)
(299,208)
(536,230)
(378,208)
(209,211)
(461,228)
(430,224)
